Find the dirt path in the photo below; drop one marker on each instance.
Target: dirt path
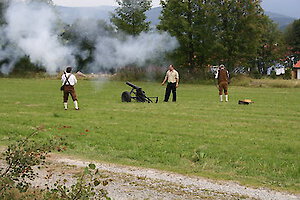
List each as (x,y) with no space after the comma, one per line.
(140,183)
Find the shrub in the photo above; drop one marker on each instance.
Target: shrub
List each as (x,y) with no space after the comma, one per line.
(241,80)
(256,75)
(20,159)
(273,75)
(131,73)
(84,188)
(288,74)
(156,73)
(24,66)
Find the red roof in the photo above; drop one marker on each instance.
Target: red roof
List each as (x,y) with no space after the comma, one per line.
(297,65)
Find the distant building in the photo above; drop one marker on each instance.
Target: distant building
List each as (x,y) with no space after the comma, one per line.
(296,70)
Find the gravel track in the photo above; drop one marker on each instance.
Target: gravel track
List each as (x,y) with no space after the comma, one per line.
(141,183)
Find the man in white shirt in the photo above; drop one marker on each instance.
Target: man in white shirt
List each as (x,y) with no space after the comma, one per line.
(68,83)
(172,76)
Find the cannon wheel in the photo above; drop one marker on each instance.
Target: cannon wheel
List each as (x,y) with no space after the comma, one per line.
(126,97)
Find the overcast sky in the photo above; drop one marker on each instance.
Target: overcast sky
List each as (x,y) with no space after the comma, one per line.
(285,7)
(88,3)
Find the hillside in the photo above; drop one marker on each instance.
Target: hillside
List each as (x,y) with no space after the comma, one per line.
(70,14)
(282,20)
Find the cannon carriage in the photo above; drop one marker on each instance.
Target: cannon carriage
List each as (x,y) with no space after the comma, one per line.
(139,95)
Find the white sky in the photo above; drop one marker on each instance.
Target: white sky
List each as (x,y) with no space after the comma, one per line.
(92,3)
(285,7)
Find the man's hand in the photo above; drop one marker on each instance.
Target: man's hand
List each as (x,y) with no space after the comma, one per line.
(177,85)
(163,83)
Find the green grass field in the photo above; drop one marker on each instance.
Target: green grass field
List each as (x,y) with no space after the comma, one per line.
(256,145)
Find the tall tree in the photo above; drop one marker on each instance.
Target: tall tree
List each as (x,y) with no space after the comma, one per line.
(241,25)
(214,31)
(130,17)
(273,47)
(292,37)
(192,23)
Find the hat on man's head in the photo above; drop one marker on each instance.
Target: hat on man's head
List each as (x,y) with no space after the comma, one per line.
(68,69)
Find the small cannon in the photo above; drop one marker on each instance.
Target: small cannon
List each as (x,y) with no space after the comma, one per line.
(140,95)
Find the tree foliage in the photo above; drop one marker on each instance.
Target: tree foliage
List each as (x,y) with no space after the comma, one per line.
(84,38)
(214,31)
(240,30)
(292,36)
(3,5)
(130,17)
(273,46)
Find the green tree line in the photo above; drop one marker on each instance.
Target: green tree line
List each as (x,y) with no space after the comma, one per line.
(210,32)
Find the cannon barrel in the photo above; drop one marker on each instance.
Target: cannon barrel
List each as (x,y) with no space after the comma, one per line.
(133,86)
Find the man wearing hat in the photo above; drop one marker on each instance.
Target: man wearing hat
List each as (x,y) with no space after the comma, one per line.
(223,81)
(68,83)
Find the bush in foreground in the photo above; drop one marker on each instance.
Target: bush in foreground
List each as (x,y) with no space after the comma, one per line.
(18,171)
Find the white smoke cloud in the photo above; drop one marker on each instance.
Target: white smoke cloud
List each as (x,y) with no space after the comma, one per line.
(31,27)
(32,30)
(9,54)
(116,53)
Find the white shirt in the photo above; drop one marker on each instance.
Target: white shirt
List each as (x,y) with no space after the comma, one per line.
(217,74)
(72,79)
(172,76)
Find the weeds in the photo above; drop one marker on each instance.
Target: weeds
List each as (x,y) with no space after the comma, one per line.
(246,81)
(18,172)
(20,159)
(86,187)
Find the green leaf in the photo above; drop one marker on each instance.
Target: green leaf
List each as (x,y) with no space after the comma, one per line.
(96,182)
(86,171)
(92,166)
(202,155)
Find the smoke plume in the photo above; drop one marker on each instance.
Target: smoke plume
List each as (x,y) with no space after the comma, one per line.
(34,29)
(116,53)
(31,29)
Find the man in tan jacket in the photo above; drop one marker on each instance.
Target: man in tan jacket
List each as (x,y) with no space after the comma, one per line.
(172,76)
(223,81)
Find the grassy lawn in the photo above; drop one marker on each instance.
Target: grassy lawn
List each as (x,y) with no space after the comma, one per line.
(257,145)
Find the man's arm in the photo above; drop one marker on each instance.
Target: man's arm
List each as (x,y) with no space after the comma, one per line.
(75,79)
(217,75)
(63,79)
(177,80)
(165,80)
(228,76)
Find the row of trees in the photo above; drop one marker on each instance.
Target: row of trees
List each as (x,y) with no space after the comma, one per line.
(233,32)
(292,37)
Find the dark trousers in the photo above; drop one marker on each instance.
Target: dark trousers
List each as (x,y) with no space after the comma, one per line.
(170,87)
(68,89)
